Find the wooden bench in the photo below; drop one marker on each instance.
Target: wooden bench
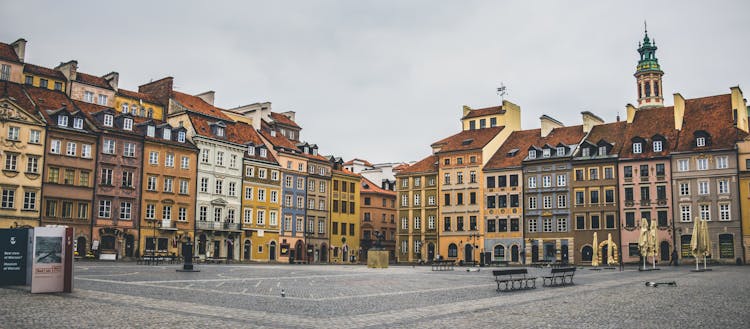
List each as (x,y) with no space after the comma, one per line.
(443,265)
(562,276)
(514,279)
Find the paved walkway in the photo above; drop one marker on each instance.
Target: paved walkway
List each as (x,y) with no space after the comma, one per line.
(129,295)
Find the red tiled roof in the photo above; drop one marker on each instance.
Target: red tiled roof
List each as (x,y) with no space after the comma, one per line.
(519,142)
(485,111)
(198,105)
(7,53)
(235,132)
(46,99)
(613,133)
(365,162)
(278,140)
(16,91)
(43,71)
(138,96)
(428,164)
(374,188)
(713,115)
(283,119)
(93,80)
(468,139)
(647,123)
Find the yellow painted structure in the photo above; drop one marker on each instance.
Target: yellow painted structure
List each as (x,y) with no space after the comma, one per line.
(138,107)
(743,148)
(261,209)
(345,217)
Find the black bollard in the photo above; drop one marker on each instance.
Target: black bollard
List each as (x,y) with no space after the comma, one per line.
(187,254)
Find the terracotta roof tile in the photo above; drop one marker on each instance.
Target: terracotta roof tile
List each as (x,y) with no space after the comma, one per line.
(235,132)
(428,164)
(283,119)
(93,80)
(713,115)
(43,71)
(277,140)
(16,91)
(613,133)
(514,150)
(370,187)
(485,111)
(646,124)
(138,96)
(46,99)
(198,105)
(7,53)
(468,139)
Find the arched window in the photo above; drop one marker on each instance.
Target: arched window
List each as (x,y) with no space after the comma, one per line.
(647,86)
(499,252)
(586,253)
(452,250)
(656,88)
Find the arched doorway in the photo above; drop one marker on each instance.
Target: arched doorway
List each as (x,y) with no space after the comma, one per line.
(499,252)
(299,250)
(202,244)
(230,247)
(604,254)
(535,252)
(514,253)
(248,249)
(272,251)
(129,245)
(323,253)
(430,251)
(468,252)
(452,250)
(587,254)
(81,246)
(664,251)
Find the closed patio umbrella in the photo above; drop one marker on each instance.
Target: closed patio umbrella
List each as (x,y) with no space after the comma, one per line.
(695,241)
(653,242)
(610,252)
(595,253)
(706,241)
(643,243)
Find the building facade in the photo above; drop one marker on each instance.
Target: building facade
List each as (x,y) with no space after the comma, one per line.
(317,213)
(345,197)
(417,197)
(377,209)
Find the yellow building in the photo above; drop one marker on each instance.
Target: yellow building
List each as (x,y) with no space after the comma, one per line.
(460,160)
(261,201)
(344,214)
(417,200)
(743,148)
(22,134)
(43,77)
(138,104)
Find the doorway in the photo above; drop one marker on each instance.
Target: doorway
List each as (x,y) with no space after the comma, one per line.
(430,251)
(202,244)
(81,246)
(468,253)
(664,251)
(217,249)
(299,250)
(129,243)
(549,251)
(272,251)
(514,253)
(248,249)
(323,253)
(230,248)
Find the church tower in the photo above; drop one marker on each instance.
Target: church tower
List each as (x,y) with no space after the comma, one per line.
(648,75)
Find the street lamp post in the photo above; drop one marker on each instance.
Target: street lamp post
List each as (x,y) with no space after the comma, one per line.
(473,237)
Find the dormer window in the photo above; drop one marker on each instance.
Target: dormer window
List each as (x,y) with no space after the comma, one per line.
(108,118)
(560,151)
(315,151)
(251,150)
(585,151)
(546,153)
(273,133)
(263,153)
(78,123)
(181,136)
(62,120)
(637,148)
(307,150)
(220,131)
(532,154)
(125,108)
(700,141)
(602,150)
(150,131)
(167,134)
(127,124)
(658,146)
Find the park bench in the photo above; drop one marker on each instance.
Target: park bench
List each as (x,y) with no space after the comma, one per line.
(514,279)
(443,265)
(559,277)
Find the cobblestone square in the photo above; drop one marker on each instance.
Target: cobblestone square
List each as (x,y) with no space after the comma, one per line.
(129,295)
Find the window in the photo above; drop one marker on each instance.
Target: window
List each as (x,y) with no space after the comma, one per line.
(182,214)
(70,149)
(5,72)
(168,182)
(417,223)
(562,201)
(532,225)
(8,199)
(430,222)
(404,223)
(459,178)
(217,214)
(579,175)
(705,211)
(301,204)
(109,146)
(35,136)
(301,184)
(594,196)
(105,208)
(723,186)
(562,224)
(683,165)
(657,146)
(722,162)
(547,202)
(169,160)
(684,189)
(472,177)
(58,86)
(11,161)
(637,148)
(219,158)
(13,133)
(502,201)
(127,124)
(106,176)
(609,196)
(724,212)
(629,194)
(546,181)
(127,179)
(274,221)
(630,219)
(580,222)
(218,188)
(32,165)
(233,161)
(560,151)
(513,180)
(153,158)
(53,175)
(83,210)
(88,97)
(203,213)
(546,153)
(561,180)
(185,162)
(167,134)
(459,223)
(661,192)
(644,171)
(86,151)
(660,169)
(151,183)
(602,150)
(55,146)
(260,217)
(702,164)
(532,154)
(702,187)
(645,194)
(29,200)
(103,101)
(261,194)
(275,198)
(204,155)
(585,151)
(181,136)
(700,141)
(62,120)
(459,198)
(204,185)
(233,190)
(627,171)
(547,225)
(532,202)
(532,182)
(595,222)
(129,150)
(125,208)
(593,173)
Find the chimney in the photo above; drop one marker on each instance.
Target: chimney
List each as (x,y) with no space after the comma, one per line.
(590,120)
(467,110)
(113,78)
(679,111)
(548,123)
(19,46)
(69,69)
(630,110)
(289,114)
(160,89)
(739,109)
(207,97)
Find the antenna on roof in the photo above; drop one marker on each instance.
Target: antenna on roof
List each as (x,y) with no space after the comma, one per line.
(501,91)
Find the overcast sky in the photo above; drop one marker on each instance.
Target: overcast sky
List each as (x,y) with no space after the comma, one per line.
(382,80)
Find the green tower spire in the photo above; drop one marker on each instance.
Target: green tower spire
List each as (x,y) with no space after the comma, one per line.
(647,49)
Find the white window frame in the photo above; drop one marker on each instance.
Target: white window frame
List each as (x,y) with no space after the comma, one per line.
(637,148)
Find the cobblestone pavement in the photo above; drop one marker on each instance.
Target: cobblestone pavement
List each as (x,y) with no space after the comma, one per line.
(129,295)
